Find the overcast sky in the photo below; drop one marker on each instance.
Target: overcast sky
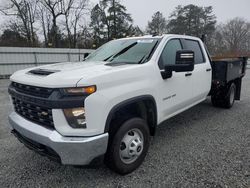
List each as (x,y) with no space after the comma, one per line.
(142,10)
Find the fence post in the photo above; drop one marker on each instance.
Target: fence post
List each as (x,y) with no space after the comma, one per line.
(79,55)
(68,56)
(35,58)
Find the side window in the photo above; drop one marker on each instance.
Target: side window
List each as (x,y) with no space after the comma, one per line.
(168,55)
(195,46)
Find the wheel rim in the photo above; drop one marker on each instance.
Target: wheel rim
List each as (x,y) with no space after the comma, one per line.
(232,93)
(131,146)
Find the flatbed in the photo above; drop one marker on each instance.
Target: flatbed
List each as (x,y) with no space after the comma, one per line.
(225,73)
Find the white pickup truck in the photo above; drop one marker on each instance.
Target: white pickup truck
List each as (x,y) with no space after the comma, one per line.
(108,106)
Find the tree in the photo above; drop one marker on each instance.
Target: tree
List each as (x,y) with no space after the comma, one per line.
(231,38)
(72,17)
(61,19)
(115,18)
(23,10)
(157,25)
(135,31)
(192,20)
(62,22)
(85,38)
(56,8)
(120,20)
(98,23)
(216,42)
(109,20)
(12,38)
(236,33)
(44,18)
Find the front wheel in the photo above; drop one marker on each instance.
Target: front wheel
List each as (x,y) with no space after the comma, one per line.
(128,146)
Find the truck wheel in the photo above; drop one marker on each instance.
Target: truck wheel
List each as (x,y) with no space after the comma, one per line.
(215,101)
(228,102)
(128,146)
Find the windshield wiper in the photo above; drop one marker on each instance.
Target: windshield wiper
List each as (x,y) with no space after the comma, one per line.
(112,57)
(143,59)
(119,63)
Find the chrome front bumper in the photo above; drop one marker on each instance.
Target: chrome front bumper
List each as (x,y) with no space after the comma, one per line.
(71,150)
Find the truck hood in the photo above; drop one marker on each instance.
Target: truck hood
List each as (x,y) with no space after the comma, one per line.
(63,74)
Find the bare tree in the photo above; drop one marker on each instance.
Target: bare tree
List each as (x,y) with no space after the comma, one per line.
(56,8)
(24,10)
(73,16)
(231,38)
(44,18)
(236,33)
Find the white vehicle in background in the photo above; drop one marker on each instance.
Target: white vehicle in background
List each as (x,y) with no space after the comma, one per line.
(109,105)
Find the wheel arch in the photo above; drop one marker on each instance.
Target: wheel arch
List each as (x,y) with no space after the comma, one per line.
(146,105)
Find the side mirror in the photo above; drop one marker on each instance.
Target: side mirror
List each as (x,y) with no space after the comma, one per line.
(185,58)
(184,63)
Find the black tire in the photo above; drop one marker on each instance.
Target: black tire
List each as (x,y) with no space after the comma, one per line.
(225,100)
(215,101)
(113,157)
(229,99)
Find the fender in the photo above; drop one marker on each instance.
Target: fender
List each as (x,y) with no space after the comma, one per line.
(128,102)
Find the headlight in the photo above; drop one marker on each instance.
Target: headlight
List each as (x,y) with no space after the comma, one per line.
(76,117)
(80,90)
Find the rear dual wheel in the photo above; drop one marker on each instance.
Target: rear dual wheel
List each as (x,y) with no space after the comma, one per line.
(226,101)
(230,98)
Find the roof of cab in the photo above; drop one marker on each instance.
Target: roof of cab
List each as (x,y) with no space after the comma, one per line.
(162,36)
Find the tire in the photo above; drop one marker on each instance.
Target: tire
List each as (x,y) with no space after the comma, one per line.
(128,146)
(226,100)
(215,101)
(229,100)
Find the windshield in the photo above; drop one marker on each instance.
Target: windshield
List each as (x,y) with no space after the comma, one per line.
(131,51)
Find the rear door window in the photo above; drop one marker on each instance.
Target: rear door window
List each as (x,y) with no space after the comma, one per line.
(195,46)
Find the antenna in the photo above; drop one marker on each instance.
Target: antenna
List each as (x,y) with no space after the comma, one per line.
(203,38)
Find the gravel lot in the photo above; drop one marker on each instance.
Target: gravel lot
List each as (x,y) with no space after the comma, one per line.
(202,147)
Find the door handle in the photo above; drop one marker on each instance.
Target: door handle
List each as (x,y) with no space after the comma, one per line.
(188,74)
(208,70)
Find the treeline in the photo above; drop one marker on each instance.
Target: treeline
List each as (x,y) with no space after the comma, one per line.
(77,24)
(232,37)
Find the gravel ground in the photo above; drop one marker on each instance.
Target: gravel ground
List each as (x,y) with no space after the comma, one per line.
(202,147)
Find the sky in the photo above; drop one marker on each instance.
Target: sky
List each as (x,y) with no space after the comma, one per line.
(142,10)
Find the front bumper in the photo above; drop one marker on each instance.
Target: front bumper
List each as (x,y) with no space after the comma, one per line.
(71,150)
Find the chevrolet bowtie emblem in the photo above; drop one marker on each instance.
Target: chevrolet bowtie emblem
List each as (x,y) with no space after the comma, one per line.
(44,113)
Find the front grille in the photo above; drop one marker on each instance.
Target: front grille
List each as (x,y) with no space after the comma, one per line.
(32,90)
(34,113)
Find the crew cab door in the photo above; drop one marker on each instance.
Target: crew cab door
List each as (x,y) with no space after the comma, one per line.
(175,93)
(202,73)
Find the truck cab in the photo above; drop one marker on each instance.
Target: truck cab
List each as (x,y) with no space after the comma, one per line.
(107,106)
